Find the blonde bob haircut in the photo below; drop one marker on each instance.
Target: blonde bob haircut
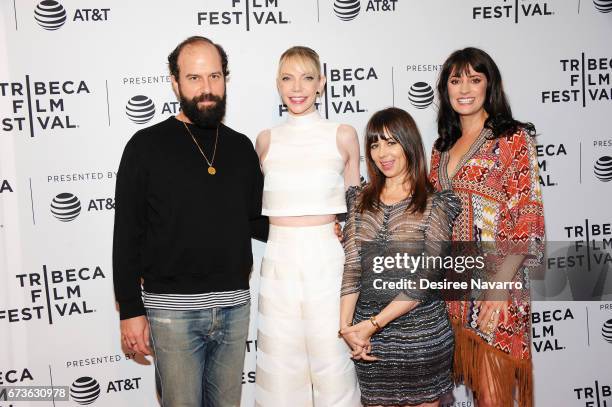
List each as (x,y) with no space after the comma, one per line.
(306,58)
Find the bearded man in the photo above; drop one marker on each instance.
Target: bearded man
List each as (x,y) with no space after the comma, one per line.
(188,200)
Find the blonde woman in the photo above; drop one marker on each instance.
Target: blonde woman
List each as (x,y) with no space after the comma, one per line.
(308,163)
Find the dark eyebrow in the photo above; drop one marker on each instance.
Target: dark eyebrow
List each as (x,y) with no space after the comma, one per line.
(474,75)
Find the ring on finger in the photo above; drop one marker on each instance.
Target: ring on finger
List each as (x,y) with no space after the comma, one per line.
(490,325)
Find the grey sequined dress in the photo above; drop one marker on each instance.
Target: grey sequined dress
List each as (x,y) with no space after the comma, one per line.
(415,351)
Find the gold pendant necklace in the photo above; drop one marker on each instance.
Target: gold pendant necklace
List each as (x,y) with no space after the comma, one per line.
(211,170)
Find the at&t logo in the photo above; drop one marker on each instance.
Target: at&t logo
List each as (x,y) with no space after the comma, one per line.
(51,15)
(512,10)
(347,10)
(602,168)
(606,331)
(421,95)
(588,79)
(85,390)
(246,13)
(140,109)
(603,6)
(65,207)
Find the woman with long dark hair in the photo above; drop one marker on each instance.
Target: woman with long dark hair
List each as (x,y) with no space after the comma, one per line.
(489,160)
(400,335)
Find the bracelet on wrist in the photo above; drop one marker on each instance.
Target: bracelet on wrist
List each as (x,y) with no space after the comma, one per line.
(375,323)
(344,326)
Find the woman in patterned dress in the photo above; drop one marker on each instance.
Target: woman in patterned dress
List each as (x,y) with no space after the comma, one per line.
(489,160)
(401,338)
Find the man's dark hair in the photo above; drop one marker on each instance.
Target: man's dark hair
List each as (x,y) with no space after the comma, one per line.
(174,55)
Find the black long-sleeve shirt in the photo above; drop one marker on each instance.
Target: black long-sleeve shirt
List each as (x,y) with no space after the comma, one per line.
(178,228)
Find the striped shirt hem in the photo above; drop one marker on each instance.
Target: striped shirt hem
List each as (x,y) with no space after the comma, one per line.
(190,302)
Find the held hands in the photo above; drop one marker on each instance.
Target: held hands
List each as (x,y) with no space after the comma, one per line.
(358,339)
(135,334)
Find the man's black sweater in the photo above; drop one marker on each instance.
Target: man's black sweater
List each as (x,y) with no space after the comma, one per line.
(180,229)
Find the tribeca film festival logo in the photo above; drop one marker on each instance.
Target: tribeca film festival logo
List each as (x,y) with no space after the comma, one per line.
(140,109)
(40,105)
(588,81)
(51,15)
(54,293)
(347,10)
(591,244)
(246,13)
(342,85)
(512,10)
(545,154)
(13,377)
(543,329)
(86,390)
(598,395)
(576,269)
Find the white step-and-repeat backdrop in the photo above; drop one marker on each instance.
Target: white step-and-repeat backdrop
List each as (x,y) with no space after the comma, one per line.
(70,69)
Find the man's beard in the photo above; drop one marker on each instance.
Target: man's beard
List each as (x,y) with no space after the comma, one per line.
(209,116)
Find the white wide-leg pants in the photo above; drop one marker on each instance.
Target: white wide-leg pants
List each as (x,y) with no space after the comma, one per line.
(300,359)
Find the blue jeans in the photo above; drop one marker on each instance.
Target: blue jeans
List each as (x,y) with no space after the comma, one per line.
(199,355)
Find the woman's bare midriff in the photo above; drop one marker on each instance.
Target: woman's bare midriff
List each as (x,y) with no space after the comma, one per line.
(311,220)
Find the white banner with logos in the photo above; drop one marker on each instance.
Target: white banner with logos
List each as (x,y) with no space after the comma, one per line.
(73,72)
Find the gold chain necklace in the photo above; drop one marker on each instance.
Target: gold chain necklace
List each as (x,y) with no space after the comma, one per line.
(211,169)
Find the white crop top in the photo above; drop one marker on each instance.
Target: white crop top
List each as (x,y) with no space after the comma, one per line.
(303,169)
